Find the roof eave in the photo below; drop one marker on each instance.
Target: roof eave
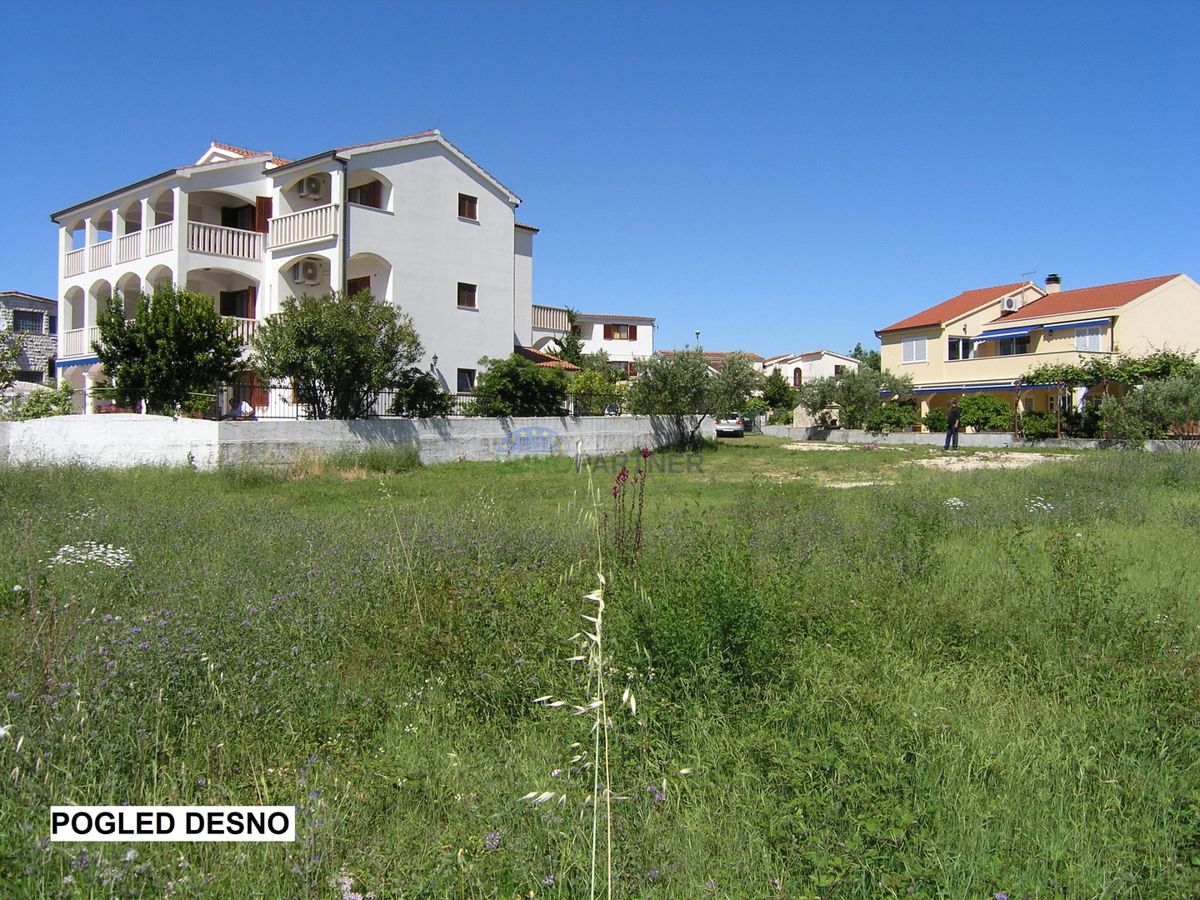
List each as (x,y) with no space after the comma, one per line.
(163,176)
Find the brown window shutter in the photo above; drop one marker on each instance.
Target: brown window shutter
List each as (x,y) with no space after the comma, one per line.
(376,195)
(262,214)
(252,298)
(227,305)
(608,332)
(633,332)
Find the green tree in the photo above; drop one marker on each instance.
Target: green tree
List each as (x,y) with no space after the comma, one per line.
(872,359)
(420,395)
(777,392)
(592,391)
(340,353)
(569,347)
(674,385)
(857,394)
(10,350)
(986,412)
(174,348)
(517,387)
(1161,408)
(733,384)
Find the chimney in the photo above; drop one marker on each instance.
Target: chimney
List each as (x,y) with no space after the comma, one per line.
(1053,284)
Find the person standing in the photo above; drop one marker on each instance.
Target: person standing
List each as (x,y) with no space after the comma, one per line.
(953,419)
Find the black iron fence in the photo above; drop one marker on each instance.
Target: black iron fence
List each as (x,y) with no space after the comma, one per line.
(235,401)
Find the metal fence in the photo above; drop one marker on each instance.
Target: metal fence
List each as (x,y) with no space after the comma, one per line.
(279,402)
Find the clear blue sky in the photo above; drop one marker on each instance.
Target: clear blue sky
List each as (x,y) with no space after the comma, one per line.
(779,176)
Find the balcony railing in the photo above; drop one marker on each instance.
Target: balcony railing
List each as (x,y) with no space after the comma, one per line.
(99,255)
(550,318)
(160,238)
(221,241)
(129,247)
(78,341)
(75,262)
(244,328)
(307,225)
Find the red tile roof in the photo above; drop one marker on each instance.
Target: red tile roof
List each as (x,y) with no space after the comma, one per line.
(527,227)
(240,151)
(615,316)
(1104,296)
(954,307)
(545,360)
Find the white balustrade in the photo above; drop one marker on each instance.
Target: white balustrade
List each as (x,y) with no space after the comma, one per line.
(78,341)
(244,328)
(129,247)
(221,241)
(75,262)
(160,238)
(99,255)
(307,225)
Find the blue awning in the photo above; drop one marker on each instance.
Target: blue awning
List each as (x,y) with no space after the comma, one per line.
(1006,333)
(81,361)
(1061,325)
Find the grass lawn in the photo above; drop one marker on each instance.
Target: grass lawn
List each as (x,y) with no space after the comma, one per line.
(857,674)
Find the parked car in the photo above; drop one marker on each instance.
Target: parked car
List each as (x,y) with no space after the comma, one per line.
(730,425)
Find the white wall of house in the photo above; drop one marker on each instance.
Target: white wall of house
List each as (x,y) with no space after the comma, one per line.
(801,367)
(618,347)
(415,248)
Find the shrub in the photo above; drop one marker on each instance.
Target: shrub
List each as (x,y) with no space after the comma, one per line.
(1037,426)
(935,420)
(421,396)
(42,403)
(986,412)
(517,387)
(893,416)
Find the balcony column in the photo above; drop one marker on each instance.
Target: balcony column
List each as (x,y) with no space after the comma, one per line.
(180,212)
(88,408)
(337,194)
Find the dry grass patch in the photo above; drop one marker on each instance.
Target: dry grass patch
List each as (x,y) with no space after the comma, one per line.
(990,460)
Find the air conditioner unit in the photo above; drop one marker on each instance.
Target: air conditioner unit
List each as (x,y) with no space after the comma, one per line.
(307,271)
(1010,304)
(312,187)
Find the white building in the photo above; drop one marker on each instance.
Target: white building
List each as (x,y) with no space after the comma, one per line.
(798,368)
(413,219)
(625,339)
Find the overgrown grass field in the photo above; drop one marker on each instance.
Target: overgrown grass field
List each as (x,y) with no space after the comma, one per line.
(967,684)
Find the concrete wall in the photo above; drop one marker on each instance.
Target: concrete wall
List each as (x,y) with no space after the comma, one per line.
(119,441)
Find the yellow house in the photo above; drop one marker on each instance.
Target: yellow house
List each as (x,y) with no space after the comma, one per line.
(985,340)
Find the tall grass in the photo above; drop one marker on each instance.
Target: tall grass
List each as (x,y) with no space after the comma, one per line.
(875,692)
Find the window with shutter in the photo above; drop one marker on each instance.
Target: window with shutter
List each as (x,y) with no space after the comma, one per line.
(913,350)
(466,295)
(1087,338)
(468,207)
(633,332)
(262,214)
(369,194)
(608,332)
(358,285)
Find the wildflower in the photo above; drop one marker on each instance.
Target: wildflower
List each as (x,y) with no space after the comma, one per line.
(1000,895)
(548,881)
(652,874)
(17,587)
(645,453)
(492,840)
(710,883)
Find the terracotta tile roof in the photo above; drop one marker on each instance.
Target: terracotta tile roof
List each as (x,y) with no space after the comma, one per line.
(715,358)
(1104,296)
(954,307)
(240,151)
(545,360)
(279,161)
(527,227)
